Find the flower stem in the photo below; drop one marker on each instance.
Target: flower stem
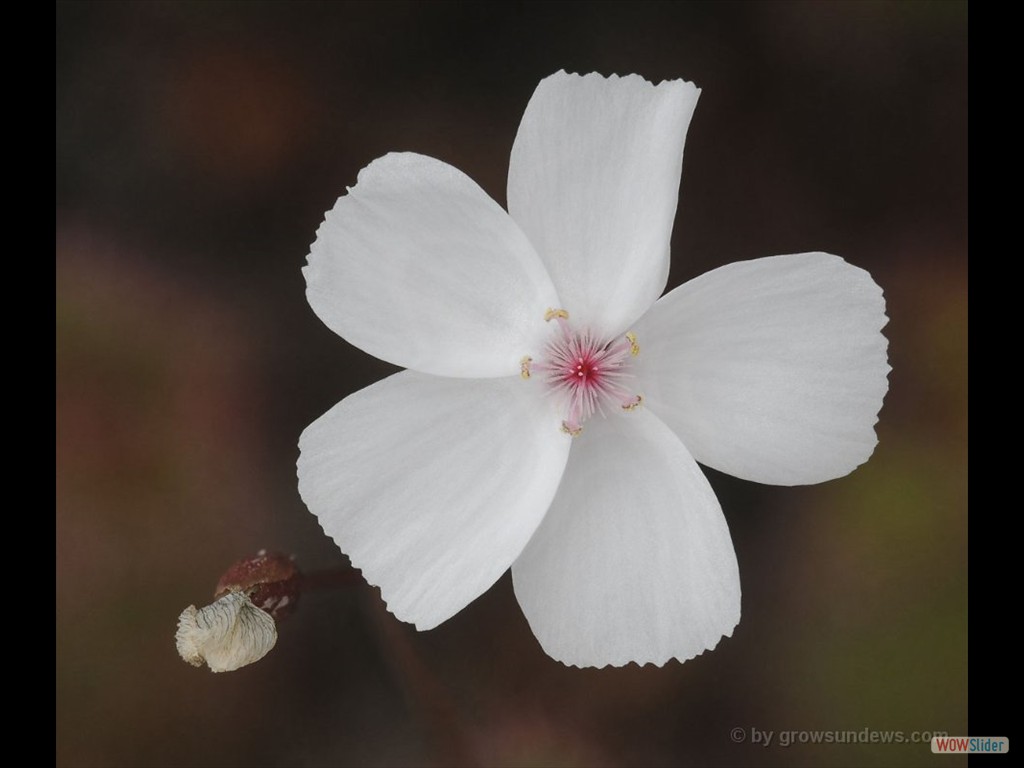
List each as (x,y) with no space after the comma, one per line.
(331,578)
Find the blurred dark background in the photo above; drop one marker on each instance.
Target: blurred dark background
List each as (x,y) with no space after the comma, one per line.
(198,146)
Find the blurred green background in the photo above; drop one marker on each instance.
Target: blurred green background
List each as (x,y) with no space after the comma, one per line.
(198,146)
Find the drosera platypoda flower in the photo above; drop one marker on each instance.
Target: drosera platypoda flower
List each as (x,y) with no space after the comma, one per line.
(555,408)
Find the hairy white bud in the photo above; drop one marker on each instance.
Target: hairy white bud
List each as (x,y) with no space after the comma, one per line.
(227,635)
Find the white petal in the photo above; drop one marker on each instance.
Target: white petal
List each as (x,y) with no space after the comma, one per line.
(227,635)
(418,266)
(634,561)
(772,370)
(593,181)
(433,486)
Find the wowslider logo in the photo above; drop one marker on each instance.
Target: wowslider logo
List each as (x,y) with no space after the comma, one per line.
(949,745)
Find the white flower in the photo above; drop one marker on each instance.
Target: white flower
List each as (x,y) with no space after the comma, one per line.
(518,328)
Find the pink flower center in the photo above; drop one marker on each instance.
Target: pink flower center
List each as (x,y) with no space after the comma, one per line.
(588,374)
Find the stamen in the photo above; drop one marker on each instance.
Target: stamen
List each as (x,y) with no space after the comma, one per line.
(571,431)
(635,402)
(587,374)
(524,366)
(634,347)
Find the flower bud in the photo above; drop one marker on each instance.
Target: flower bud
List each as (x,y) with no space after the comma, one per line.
(239,627)
(227,635)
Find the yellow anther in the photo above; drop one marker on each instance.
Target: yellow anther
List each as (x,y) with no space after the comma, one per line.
(569,430)
(551,314)
(524,367)
(633,404)
(634,347)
